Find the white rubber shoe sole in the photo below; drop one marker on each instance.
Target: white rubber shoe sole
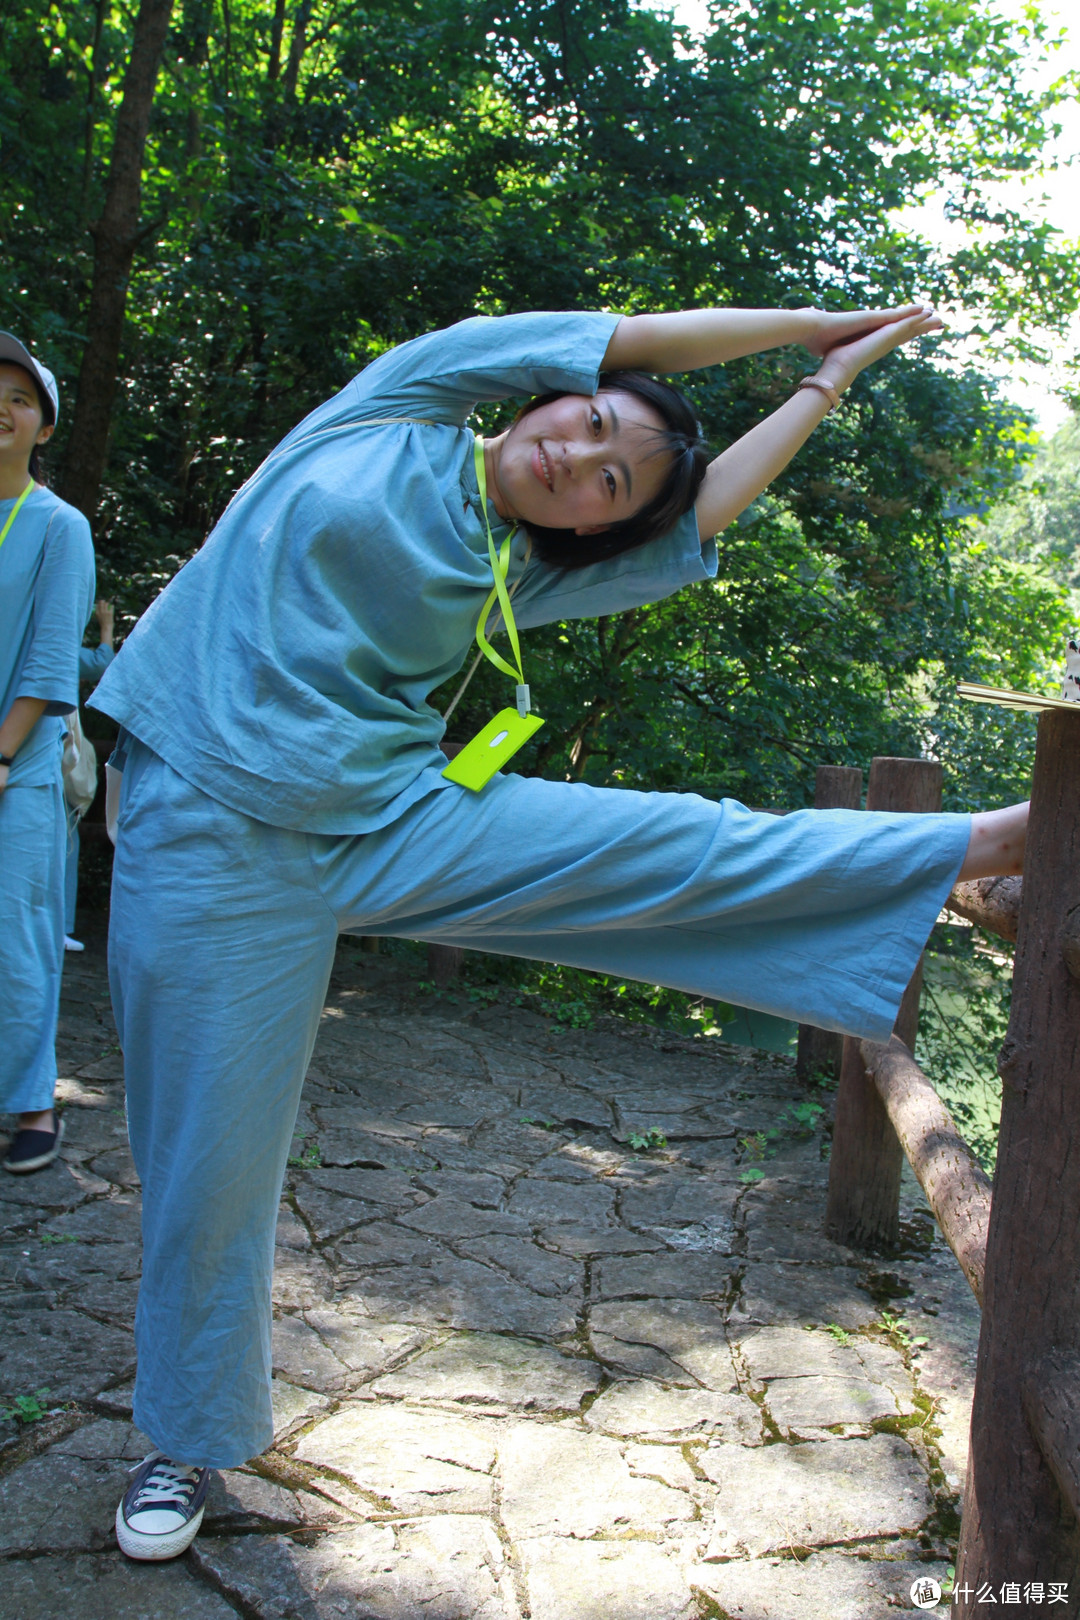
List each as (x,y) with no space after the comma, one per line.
(153,1549)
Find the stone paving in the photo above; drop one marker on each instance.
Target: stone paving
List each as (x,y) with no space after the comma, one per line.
(523,1368)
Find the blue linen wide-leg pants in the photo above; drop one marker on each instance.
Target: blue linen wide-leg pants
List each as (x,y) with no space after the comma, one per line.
(223,936)
(71,876)
(33,827)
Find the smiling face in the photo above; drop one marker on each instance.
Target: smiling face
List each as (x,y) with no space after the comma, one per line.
(22,422)
(578,463)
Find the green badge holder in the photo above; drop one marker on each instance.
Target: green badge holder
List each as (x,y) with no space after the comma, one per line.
(511,729)
(491,748)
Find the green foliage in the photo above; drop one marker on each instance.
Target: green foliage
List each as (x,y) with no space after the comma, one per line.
(310,1158)
(899,1330)
(572,997)
(52,1238)
(646,1141)
(796,1122)
(967,991)
(804,1117)
(755,1145)
(321,184)
(1042,520)
(26,1409)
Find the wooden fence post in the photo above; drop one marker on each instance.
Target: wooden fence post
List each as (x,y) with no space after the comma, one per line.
(863,1207)
(1025,1423)
(445,963)
(836,787)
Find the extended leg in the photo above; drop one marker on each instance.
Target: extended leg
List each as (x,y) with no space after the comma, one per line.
(818,916)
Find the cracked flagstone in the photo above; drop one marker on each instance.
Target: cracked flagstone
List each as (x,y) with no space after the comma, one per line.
(521,1368)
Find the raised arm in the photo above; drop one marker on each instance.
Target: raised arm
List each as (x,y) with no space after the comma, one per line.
(738,476)
(686,340)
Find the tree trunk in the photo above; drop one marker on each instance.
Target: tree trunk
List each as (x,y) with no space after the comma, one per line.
(819,1054)
(277,31)
(864,1171)
(1016,1525)
(115,239)
(94,79)
(296,48)
(1052,1404)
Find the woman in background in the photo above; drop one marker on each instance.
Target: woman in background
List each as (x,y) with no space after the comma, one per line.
(46,595)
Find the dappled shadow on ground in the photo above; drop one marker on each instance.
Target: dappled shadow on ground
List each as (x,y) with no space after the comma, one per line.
(557,1334)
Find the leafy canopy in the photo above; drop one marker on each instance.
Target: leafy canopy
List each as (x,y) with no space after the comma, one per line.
(324,181)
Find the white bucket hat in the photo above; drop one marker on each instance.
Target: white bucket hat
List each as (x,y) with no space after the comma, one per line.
(19,354)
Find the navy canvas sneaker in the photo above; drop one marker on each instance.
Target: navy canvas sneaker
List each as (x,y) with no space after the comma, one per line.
(162,1509)
(33,1150)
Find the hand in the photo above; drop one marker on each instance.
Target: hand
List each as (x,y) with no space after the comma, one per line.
(831,330)
(106,619)
(844,361)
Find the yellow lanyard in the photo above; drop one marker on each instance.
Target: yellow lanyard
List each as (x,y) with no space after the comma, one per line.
(496,743)
(13,514)
(500,567)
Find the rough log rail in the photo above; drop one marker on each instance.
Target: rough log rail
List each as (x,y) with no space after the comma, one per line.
(994,905)
(956,1186)
(990,903)
(1020,1250)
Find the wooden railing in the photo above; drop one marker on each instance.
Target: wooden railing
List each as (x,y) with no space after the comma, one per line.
(956,1187)
(1017,1243)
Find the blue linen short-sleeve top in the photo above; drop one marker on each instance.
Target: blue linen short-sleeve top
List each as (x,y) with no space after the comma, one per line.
(46,597)
(343,583)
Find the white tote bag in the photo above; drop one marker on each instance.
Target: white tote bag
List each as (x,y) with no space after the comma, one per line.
(79,767)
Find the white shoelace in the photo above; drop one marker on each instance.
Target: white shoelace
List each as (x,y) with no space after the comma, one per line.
(168,1482)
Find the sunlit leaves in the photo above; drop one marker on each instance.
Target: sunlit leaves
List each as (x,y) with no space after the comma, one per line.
(319,190)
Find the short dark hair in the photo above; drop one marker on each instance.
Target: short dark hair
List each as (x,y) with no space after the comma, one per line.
(681,439)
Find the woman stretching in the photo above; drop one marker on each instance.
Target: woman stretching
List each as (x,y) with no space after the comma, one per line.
(291,788)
